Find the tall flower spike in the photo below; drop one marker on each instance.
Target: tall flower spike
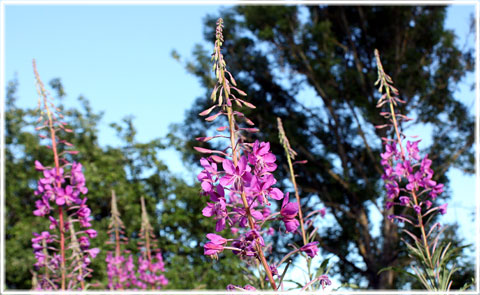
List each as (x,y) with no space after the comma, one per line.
(241,192)
(120,270)
(116,226)
(60,191)
(403,168)
(150,268)
(408,178)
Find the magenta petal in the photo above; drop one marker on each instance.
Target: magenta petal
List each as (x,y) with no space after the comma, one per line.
(39,166)
(60,201)
(91,233)
(290,210)
(256,214)
(228,166)
(204,162)
(242,164)
(212,249)
(227,180)
(276,194)
(264,148)
(291,225)
(220,225)
(269,158)
(443,208)
(269,180)
(286,199)
(206,186)
(208,211)
(216,239)
(94,252)
(247,176)
(220,190)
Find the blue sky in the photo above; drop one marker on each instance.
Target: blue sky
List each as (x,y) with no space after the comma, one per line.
(119,58)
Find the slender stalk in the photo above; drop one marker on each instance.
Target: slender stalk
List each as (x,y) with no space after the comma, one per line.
(309,284)
(288,256)
(284,273)
(300,214)
(288,152)
(147,228)
(117,223)
(62,246)
(116,226)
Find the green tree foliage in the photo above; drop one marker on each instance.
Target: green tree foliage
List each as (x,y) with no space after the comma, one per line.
(314,68)
(133,169)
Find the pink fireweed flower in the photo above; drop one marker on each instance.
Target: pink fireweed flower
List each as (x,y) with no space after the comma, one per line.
(219,211)
(262,187)
(209,175)
(404,201)
(247,243)
(262,158)
(43,207)
(324,280)
(212,249)
(91,233)
(234,174)
(412,149)
(289,211)
(216,239)
(310,249)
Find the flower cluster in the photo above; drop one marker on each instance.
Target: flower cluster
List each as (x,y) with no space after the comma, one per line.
(150,273)
(251,179)
(414,172)
(150,268)
(122,272)
(407,176)
(68,197)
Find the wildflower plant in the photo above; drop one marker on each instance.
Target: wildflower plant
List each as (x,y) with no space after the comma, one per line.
(240,192)
(410,188)
(123,271)
(150,265)
(63,252)
(120,268)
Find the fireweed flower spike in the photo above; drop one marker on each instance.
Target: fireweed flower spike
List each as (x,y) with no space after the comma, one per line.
(409,184)
(120,269)
(65,255)
(239,182)
(239,193)
(150,267)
